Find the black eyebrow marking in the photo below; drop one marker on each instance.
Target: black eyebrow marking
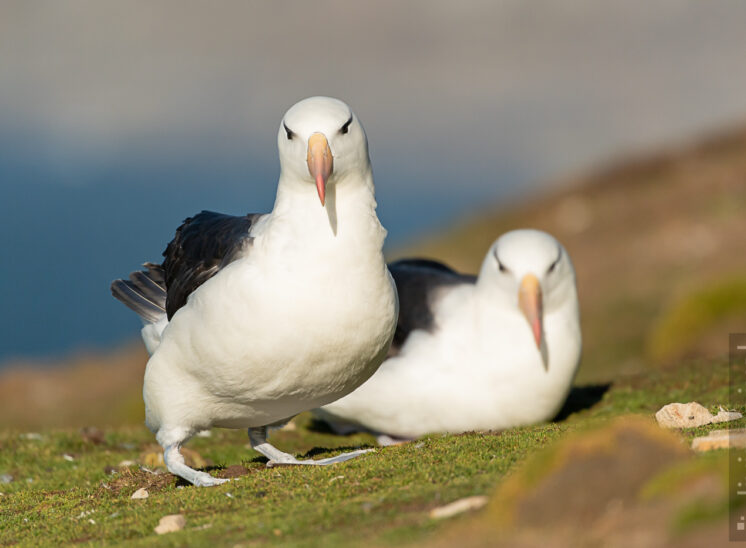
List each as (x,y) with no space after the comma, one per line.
(288,131)
(556,261)
(500,265)
(345,128)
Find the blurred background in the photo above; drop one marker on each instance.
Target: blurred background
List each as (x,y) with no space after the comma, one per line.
(618,126)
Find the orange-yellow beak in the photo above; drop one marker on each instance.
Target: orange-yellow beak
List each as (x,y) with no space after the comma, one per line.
(529,299)
(320,162)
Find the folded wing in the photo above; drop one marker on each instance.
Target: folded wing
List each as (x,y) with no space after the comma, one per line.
(421,283)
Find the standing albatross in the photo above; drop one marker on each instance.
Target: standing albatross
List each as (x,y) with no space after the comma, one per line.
(251,320)
(474,353)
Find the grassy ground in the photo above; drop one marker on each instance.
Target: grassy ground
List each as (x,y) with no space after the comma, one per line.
(657,246)
(68,486)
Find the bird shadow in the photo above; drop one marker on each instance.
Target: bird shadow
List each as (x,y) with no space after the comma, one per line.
(580,399)
(320,427)
(336,450)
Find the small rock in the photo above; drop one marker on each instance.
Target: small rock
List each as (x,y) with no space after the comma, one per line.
(384,440)
(126,463)
(68,458)
(141,493)
(458,507)
(725,416)
(691,415)
(170,524)
(6,478)
(721,439)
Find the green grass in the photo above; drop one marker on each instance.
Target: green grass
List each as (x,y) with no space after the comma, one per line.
(383,497)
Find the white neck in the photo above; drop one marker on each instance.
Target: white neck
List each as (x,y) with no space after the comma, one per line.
(559,323)
(349,212)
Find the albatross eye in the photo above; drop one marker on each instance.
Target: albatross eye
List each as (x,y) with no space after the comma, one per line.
(289,133)
(346,127)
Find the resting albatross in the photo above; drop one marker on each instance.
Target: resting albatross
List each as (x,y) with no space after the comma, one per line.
(485,353)
(251,320)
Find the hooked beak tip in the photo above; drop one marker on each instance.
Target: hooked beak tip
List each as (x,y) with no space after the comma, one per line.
(321,189)
(537,335)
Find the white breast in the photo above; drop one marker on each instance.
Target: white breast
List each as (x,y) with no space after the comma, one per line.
(288,328)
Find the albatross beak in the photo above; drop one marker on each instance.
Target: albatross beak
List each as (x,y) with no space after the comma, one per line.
(529,299)
(320,162)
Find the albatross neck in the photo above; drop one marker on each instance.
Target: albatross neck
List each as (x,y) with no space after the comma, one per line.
(349,211)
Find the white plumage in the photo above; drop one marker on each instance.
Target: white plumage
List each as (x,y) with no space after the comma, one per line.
(488,353)
(293,310)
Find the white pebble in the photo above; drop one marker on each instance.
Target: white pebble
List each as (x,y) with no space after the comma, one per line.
(170,524)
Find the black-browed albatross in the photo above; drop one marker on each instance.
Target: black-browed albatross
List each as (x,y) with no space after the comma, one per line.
(252,319)
(474,353)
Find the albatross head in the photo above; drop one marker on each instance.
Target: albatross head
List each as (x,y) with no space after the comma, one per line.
(530,271)
(321,141)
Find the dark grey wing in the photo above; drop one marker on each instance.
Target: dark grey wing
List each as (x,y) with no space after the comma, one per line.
(419,283)
(203,245)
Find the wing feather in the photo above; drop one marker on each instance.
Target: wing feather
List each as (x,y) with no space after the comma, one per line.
(203,244)
(419,282)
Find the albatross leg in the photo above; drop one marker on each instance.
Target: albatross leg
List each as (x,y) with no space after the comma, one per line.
(258,439)
(176,465)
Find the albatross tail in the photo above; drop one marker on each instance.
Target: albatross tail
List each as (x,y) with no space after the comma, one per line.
(145,294)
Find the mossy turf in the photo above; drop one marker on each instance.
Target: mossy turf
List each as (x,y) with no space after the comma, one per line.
(68,487)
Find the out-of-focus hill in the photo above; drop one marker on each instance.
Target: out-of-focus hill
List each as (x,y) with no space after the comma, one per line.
(83,389)
(658,246)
